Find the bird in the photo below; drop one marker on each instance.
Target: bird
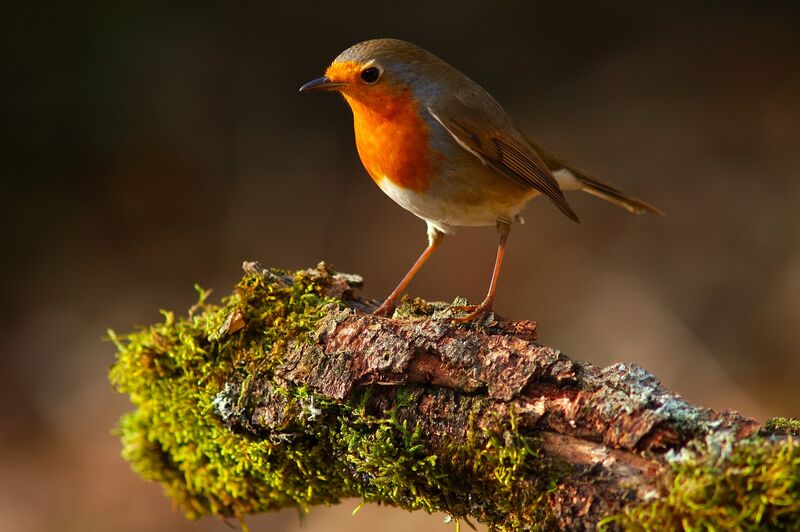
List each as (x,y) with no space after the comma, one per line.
(441,147)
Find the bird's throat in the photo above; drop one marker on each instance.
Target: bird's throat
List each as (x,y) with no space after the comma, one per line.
(392,138)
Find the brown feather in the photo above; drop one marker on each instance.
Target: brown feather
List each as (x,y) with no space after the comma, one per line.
(594,185)
(510,156)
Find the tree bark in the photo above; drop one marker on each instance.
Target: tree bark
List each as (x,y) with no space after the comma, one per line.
(612,426)
(485,411)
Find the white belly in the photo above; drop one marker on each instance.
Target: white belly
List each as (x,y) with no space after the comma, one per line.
(444,214)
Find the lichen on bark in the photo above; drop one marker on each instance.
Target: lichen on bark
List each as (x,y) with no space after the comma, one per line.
(289,394)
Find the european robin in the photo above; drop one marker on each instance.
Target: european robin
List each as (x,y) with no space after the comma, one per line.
(441,147)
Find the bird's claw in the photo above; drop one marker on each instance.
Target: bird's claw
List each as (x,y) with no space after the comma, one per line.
(385,310)
(476,313)
(463,308)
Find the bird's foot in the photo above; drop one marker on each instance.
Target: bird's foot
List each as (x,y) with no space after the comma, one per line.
(463,308)
(475,313)
(386,309)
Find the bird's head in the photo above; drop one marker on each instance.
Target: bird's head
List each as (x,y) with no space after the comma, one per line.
(375,72)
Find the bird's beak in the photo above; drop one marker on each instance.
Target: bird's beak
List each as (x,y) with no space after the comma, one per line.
(320,84)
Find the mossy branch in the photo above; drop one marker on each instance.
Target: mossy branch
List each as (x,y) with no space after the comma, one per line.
(290,394)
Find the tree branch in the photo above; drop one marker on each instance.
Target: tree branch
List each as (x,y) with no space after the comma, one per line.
(292,394)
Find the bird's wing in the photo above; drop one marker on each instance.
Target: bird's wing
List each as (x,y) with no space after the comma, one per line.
(503,152)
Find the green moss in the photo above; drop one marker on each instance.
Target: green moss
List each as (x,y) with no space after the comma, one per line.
(188,376)
(756,486)
(173,371)
(782,425)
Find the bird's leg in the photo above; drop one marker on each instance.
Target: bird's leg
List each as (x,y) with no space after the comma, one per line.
(434,239)
(503,227)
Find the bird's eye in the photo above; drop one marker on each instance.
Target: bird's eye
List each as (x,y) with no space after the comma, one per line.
(371,74)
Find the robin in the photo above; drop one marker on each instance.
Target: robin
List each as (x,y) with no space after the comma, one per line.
(441,147)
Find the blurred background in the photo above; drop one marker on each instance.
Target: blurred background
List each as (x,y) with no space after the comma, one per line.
(146,148)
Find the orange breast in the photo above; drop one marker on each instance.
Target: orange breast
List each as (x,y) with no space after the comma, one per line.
(391,137)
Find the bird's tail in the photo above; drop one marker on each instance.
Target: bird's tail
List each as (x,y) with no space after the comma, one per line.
(607,191)
(571,178)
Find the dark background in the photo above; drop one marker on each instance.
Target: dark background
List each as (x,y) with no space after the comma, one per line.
(148,147)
